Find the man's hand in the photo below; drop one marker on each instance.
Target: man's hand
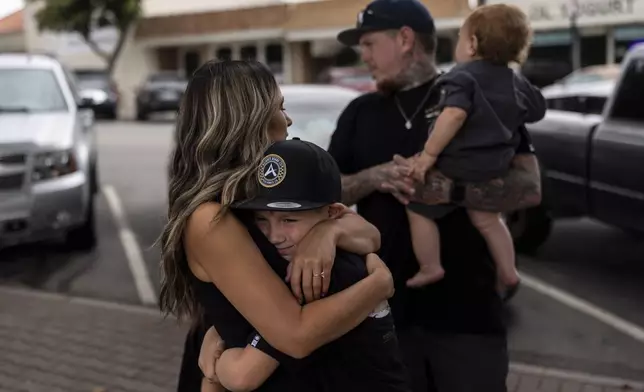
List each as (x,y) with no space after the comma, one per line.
(211,350)
(394,177)
(310,269)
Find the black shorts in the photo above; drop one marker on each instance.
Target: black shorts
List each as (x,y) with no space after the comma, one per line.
(445,362)
(435,211)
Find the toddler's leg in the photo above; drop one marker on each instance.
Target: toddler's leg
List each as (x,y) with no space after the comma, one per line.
(426,241)
(498,238)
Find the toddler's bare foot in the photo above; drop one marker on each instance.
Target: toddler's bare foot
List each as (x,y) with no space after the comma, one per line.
(426,276)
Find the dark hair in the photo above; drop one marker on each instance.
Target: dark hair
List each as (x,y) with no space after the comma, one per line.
(503,33)
(221,136)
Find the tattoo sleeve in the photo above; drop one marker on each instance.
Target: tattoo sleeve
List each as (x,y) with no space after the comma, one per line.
(519,189)
(356,187)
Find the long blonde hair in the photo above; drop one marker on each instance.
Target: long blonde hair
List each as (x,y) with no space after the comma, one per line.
(221,135)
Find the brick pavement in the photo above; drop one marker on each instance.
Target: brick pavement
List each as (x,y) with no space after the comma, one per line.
(54,343)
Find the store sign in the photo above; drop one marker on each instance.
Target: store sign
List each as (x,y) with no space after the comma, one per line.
(564,10)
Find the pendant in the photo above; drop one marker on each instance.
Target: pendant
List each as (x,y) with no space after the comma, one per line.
(408,125)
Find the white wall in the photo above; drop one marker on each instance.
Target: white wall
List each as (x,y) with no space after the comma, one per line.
(132,68)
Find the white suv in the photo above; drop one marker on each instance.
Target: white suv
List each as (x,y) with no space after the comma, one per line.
(48,154)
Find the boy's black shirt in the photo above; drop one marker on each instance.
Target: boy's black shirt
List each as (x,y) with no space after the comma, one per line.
(367,358)
(352,362)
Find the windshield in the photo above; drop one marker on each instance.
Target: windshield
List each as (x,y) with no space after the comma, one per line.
(29,90)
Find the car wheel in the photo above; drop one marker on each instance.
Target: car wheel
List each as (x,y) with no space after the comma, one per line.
(112,115)
(530,228)
(94,187)
(84,236)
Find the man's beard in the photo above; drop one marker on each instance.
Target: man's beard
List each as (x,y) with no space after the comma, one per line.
(390,86)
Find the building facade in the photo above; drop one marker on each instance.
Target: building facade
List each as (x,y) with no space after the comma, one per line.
(601,31)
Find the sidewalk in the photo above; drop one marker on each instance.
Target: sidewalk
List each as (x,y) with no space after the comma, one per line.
(54,343)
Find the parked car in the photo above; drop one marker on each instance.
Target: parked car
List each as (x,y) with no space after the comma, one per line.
(356,78)
(588,98)
(99,91)
(596,74)
(592,163)
(315,110)
(161,92)
(48,154)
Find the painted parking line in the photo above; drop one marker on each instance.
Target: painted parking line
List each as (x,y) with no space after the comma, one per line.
(131,246)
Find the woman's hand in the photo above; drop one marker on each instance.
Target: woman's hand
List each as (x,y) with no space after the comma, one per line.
(375,265)
(310,269)
(211,349)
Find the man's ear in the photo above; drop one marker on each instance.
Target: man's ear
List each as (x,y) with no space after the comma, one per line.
(407,39)
(336,210)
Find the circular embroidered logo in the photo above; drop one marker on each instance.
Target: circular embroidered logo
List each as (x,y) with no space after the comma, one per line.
(272,171)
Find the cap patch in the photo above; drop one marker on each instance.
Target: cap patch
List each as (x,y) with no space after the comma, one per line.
(272,171)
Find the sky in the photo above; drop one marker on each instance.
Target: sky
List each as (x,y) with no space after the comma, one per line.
(9,6)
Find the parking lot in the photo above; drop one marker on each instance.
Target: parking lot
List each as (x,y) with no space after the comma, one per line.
(579,310)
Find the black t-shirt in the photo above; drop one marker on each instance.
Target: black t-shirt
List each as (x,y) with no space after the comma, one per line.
(366,358)
(498,103)
(230,324)
(369,132)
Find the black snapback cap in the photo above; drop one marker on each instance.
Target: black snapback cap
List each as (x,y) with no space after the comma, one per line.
(295,175)
(389,14)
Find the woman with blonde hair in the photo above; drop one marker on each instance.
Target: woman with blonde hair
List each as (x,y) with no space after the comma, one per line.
(215,263)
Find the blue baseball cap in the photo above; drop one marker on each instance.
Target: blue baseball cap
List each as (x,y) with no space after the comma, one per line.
(389,15)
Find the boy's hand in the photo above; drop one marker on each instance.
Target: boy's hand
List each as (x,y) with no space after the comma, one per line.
(420,165)
(211,350)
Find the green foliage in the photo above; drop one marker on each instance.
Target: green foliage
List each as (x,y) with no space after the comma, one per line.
(85,16)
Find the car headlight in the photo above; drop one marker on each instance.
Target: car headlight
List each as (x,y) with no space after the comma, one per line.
(53,164)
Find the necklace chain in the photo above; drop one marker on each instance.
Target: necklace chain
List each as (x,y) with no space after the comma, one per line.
(408,121)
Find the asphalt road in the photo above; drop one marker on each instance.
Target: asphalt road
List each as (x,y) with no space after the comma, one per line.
(600,265)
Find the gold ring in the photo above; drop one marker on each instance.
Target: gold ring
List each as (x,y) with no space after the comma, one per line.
(322,274)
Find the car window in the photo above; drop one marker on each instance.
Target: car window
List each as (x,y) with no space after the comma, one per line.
(630,93)
(578,104)
(30,90)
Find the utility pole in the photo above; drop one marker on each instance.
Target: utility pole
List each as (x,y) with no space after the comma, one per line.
(575,38)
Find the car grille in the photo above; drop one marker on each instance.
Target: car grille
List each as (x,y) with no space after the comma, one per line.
(11,182)
(12,171)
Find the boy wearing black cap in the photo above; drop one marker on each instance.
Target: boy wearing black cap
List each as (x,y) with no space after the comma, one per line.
(300,186)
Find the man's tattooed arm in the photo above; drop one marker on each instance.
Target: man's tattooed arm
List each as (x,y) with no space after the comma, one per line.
(519,189)
(356,186)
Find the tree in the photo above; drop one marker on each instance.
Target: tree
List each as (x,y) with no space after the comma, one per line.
(85,16)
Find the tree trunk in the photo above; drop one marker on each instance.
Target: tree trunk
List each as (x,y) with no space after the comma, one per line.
(123,35)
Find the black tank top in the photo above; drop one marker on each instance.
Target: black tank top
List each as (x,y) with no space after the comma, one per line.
(231,325)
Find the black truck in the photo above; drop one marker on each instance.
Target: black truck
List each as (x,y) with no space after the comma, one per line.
(592,161)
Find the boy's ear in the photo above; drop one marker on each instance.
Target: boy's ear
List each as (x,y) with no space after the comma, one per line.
(336,210)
